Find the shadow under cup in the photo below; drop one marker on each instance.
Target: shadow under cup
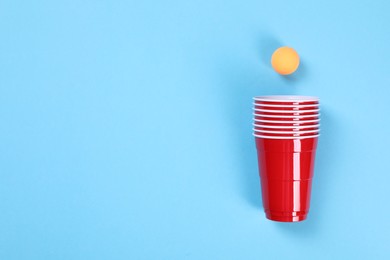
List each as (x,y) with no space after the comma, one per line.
(286,170)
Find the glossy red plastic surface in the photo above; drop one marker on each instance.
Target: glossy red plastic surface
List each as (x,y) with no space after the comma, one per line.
(286,172)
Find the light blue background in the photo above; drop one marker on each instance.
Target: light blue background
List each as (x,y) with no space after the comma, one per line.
(126,128)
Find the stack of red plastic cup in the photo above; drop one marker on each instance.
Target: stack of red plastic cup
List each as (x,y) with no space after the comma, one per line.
(286,129)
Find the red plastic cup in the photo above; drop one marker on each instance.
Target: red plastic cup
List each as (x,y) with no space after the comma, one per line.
(287,135)
(285,118)
(286,107)
(286,112)
(286,123)
(286,171)
(287,129)
(286,103)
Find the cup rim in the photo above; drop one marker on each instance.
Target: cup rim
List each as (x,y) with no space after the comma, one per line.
(287,122)
(287,111)
(289,106)
(286,126)
(276,116)
(286,98)
(286,132)
(285,137)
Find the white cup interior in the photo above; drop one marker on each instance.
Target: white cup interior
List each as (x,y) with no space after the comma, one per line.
(287,98)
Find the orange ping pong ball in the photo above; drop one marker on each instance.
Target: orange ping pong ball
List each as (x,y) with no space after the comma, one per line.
(285,60)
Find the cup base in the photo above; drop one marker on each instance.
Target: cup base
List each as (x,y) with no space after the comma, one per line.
(280,217)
